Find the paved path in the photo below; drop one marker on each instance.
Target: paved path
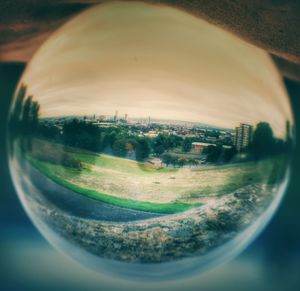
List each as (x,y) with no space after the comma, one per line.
(77,204)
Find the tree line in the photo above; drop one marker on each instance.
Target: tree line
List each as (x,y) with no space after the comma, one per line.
(24,116)
(24,122)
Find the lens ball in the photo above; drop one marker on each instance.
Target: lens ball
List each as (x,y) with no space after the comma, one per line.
(147,143)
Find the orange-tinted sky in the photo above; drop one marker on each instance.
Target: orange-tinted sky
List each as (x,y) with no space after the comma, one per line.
(147,60)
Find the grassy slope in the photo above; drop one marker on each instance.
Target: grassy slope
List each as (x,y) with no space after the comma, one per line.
(268,171)
(121,202)
(119,164)
(218,180)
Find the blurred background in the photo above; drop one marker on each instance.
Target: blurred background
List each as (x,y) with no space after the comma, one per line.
(28,262)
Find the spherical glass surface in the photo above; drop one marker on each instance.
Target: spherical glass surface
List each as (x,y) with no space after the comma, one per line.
(147,143)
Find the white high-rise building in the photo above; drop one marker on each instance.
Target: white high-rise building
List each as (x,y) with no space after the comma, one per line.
(243,136)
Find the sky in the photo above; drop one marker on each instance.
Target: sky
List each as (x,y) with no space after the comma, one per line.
(150,60)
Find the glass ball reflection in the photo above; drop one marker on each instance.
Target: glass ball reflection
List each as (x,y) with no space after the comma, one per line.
(147,143)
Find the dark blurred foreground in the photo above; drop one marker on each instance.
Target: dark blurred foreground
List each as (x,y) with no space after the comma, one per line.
(28,262)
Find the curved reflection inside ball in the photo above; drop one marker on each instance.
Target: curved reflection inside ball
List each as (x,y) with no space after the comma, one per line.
(146,142)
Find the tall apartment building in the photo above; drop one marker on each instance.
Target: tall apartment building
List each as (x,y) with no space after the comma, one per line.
(242,136)
(116,115)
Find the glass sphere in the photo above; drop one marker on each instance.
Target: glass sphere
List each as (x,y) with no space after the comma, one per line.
(147,143)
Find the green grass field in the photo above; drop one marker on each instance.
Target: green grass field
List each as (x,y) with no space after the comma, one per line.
(134,185)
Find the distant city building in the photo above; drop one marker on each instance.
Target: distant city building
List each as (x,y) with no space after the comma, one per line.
(211,139)
(126,117)
(116,115)
(242,136)
(199,146)
(151,133)
(102,117)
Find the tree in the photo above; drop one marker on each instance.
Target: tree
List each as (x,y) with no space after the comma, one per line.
(25,117)
(82,135)
(263,143)
(228,154)
(142,149)
(212,133)
(159,143)
(213,153)
(119,147)
(164,142)
(34,115)
(49,132)
(182,161)
(108,139)
(16,113)
(167,159)
(187,145)
(173,141)
(25,114)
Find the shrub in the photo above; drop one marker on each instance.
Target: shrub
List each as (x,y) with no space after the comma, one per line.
(71,162)
(54,154)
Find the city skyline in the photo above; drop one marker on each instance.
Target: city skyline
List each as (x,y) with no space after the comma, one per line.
(148,119)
